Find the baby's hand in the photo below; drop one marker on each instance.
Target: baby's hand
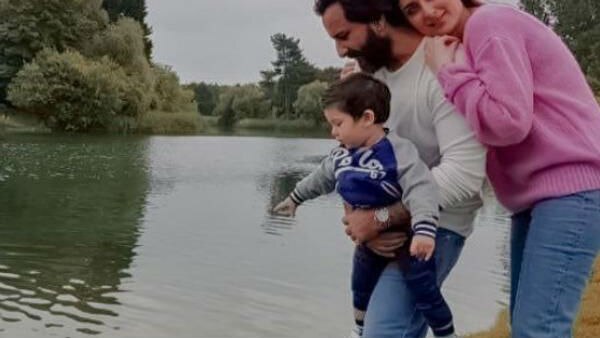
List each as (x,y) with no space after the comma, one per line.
(286,208)
(422,247)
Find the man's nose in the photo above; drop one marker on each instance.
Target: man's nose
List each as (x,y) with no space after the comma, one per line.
(341,50)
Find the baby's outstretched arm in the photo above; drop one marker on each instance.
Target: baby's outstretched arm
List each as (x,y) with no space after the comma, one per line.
(286,208)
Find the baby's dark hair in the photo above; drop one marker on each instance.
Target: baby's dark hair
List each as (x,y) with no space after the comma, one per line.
(357,93)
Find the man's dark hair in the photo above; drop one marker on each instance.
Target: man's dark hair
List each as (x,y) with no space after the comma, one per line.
(357,93)
(471,3)
(367,11)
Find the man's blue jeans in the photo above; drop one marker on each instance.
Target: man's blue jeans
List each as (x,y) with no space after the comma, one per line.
(392,311)
(553,247)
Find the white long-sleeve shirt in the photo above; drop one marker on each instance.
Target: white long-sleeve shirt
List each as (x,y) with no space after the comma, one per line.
(420,113)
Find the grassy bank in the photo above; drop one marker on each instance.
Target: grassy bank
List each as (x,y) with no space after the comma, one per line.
(588,321)
(157,122)
(180,123)
(275,124)
(19,122)
(270,126)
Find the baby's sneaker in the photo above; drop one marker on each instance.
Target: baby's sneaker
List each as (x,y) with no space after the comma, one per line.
(356,332)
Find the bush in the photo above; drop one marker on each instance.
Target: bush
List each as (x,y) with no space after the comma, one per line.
(70,92)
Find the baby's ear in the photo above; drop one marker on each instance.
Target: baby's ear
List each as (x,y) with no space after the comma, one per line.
(369,116)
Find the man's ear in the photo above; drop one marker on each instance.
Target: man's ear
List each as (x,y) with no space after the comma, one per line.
(368,116)
(379,26)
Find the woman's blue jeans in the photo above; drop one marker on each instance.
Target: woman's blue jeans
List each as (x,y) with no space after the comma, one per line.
(392,310)
(553,248)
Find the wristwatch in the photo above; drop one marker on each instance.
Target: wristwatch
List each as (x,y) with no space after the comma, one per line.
(382,217)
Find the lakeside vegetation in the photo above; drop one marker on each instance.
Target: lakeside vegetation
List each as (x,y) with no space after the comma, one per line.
(588,320)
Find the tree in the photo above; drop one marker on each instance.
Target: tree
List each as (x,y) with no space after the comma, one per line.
(135,9)
(539,8)
(577,22)
(328,74)
(206,96)
(308,105)
(169,96)
(290,71)
(226,113)
(28,26)
(247,101)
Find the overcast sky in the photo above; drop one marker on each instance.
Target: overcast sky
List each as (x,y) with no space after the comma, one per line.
(227,41)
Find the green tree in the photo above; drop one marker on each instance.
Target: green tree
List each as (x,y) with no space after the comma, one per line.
(290,71)
(123,42)
(268,84)
(226,113)
(308,104)
(206,95)
(247,101)
(539,8)
(328,74)
(28,26)
(135,9)
(576,21)
(169,95)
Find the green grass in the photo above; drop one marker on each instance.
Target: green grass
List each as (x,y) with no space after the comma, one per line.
(209,120)
(277,124)
(588,321)
(13,121)
(157,122)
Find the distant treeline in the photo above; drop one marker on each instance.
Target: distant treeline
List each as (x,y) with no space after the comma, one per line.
(290,90)
(85,65)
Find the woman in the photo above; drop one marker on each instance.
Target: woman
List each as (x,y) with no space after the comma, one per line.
(526,98)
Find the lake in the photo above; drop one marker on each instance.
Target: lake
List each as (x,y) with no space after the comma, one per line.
(172,237)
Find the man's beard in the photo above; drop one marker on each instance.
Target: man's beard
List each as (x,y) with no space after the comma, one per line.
(375,54)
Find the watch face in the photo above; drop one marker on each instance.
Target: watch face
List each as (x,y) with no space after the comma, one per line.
(382,214)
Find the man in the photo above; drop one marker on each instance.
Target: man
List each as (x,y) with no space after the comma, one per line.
(375,34)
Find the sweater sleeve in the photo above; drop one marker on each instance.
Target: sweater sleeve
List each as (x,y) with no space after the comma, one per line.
(494,91)
(319,182)
(420,193)
(461,170)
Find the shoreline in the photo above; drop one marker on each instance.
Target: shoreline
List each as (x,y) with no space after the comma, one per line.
(588,320)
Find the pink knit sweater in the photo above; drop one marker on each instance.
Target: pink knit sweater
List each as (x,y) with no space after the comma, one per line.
(527,100)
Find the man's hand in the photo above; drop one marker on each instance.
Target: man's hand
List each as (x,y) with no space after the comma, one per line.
(360,224)
(387,243)
(422,247)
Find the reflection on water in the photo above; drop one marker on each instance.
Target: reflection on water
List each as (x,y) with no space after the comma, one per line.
(69,215)
(173,237)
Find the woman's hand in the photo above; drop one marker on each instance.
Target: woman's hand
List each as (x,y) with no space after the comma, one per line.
(387,243)
(440,51)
